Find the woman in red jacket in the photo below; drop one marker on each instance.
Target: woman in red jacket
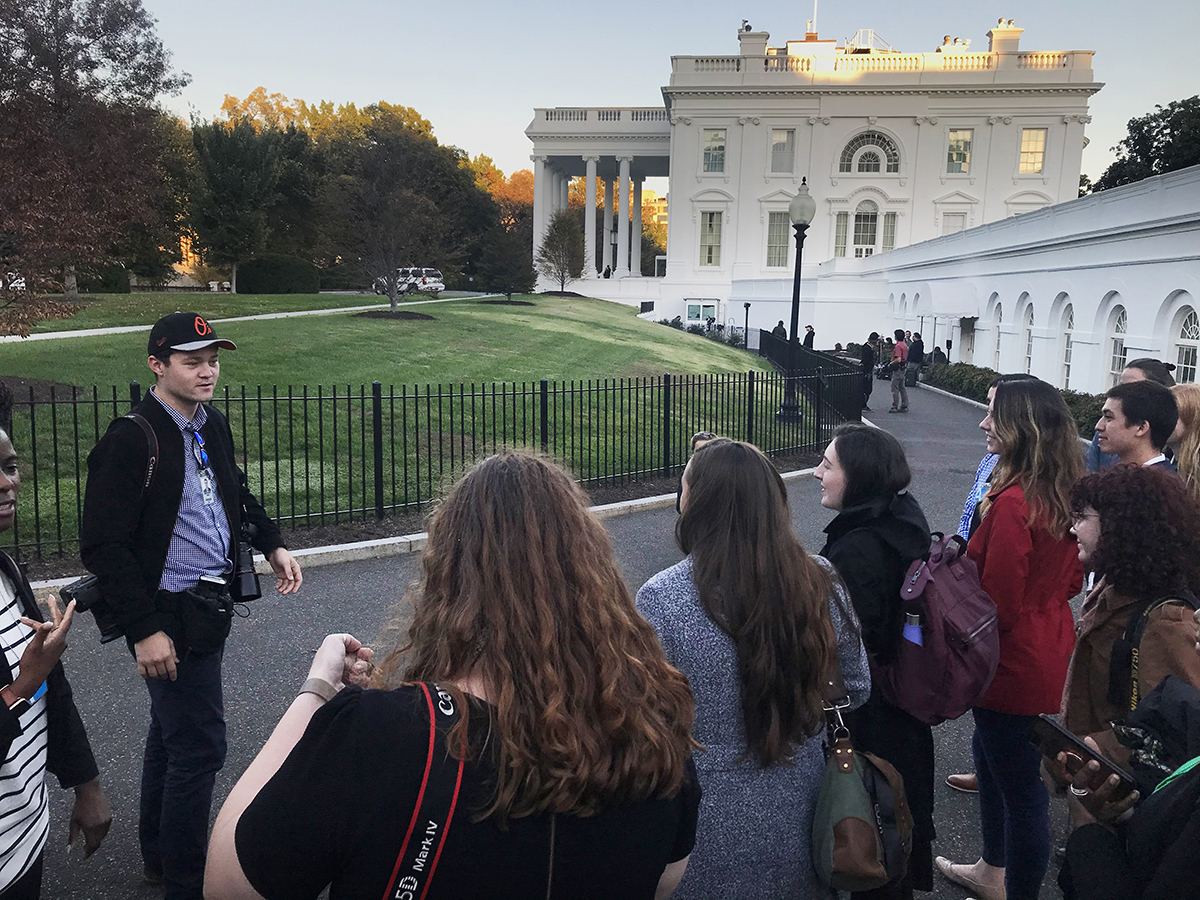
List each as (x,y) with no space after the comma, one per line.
(1029,565)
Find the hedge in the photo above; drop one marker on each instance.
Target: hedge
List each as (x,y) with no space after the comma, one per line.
(973,382)
(278,275)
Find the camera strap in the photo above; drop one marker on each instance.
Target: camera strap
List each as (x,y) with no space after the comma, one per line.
(151,450)
(434,810)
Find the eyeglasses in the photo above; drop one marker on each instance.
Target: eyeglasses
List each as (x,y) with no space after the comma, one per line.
(198,450)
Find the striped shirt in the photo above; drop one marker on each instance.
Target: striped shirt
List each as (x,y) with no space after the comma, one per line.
(24,814)
(200,540)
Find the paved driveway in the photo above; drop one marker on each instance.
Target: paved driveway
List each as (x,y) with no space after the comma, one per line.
(267,655)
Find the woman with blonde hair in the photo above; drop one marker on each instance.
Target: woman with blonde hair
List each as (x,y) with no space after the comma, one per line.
(1184,442)
(756,624)
(1029,564)
(560,764)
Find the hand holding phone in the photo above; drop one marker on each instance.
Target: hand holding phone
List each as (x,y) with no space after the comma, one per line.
(1052,740)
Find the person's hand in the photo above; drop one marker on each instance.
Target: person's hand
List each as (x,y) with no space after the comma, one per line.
(1056,773)
(91,817)
(1092,796)
(286,569)
(342,659)
(156,656)
(43,650)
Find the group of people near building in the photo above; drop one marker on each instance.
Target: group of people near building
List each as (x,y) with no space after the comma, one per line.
(899,358)
(543,731)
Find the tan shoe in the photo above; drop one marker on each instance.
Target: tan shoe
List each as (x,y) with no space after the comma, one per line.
(965,876)
(968,784)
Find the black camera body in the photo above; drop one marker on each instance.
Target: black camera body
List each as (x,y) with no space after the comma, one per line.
(86,594)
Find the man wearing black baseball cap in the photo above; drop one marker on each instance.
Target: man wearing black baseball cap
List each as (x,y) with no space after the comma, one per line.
(164,509)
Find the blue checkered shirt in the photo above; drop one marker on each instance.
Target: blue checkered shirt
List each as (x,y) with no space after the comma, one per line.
(982,476)
(200,540)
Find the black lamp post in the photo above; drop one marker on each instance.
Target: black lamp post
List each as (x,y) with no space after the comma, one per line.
(746,333)
(801,211)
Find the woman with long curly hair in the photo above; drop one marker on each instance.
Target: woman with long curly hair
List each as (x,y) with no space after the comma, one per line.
(1029,565)
(756,624)
(572,744)
(1185,441)
(1139,531)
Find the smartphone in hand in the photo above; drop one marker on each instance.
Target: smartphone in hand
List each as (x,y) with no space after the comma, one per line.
(1052,739)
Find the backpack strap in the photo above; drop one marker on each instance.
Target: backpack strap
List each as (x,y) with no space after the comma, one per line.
(437,798)
(1123,689)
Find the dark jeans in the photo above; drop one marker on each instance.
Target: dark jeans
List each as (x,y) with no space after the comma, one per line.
(184,751)
(1014,805)
(28,886)
(868,384)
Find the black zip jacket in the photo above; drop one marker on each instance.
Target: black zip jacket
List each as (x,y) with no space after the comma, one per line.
(123,539)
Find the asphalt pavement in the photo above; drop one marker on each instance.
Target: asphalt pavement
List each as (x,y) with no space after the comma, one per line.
(268,653)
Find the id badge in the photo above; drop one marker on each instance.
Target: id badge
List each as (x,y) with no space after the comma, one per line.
(207,491)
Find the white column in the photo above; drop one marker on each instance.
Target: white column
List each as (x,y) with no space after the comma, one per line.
(541,194)
(608,219)
(635,246)
(623,220)
(589,219)
(566,191)
(552,195)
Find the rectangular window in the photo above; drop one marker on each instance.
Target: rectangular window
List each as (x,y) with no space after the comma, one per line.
(864,230)
(839,240)
(1033,148)
(1117,363)
(714,149)
(958,155)
(889,231)
(1185,364)
(693,312)
(952,223)
(783,149)
(777,239)
(708,311)
(710,239)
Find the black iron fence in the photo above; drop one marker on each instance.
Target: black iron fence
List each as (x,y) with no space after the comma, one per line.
(329,455)
(827,380)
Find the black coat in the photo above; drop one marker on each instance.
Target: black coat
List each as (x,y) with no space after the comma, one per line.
(124,541)
(916,353)
(68,753)
(872,545)
(868,359)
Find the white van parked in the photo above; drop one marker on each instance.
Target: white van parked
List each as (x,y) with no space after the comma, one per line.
(413,280)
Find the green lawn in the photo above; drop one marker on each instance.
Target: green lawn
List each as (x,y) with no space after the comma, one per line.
(138,308)
(467,341)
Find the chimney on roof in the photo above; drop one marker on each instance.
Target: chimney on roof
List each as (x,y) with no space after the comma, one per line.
(1005,37)
(754,43)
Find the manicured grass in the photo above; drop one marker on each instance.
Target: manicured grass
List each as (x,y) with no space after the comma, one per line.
(467,341)
(136,308)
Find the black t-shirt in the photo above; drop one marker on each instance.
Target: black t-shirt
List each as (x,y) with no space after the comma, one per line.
(337,811)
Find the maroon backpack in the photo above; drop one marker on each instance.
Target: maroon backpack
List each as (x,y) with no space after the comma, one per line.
(945,675)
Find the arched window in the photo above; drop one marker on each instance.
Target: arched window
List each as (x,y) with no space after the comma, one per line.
(997,319)
(874,139)
(1187,344)
(1068,327)
(1028,334)
(866,227)
(869,162)
(1116,342)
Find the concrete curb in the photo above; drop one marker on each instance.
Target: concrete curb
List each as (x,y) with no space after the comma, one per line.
(381,548)
(975,403)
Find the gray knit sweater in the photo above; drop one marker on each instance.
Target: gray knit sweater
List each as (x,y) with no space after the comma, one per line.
(753,840)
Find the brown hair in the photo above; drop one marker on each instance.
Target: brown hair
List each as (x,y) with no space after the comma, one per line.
(1039,450)
(757,583)
(520,590)
(1187,398)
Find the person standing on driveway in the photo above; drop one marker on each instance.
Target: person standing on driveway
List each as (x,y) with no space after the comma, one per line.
(899,368)
(163,558)
(809,336)
(868,368)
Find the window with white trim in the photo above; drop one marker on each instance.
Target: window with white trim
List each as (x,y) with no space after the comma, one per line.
(870,139)
(869,161)
(958,153)
(783,149)
(839,234)
(701,312)
(1116,342)
(714,149)
(866,226)
(1033,151)
(1068,341)
(953,223)
(1028,338)
(710,238)
(997,320)
(1187,346)
(889,231)
(777,239)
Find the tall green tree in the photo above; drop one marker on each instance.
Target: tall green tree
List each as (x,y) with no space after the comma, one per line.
(560,258)
(239,168)
(1165,140)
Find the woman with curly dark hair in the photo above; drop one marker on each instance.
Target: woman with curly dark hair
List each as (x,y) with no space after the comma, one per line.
(1139,531)
(572,741)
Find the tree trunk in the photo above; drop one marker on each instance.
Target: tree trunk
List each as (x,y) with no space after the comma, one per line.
(233,278)
(70,283)
(393,290)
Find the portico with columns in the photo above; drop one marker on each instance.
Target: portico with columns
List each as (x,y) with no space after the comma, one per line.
(622,148)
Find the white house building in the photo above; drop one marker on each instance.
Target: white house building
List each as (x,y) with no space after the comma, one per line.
(902,152)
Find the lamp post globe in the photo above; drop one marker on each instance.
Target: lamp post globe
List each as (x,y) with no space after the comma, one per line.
(801,211)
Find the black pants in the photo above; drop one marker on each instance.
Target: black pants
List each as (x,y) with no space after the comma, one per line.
(867,385)
(28,886)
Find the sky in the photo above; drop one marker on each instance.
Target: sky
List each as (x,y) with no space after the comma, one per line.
(477,69)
